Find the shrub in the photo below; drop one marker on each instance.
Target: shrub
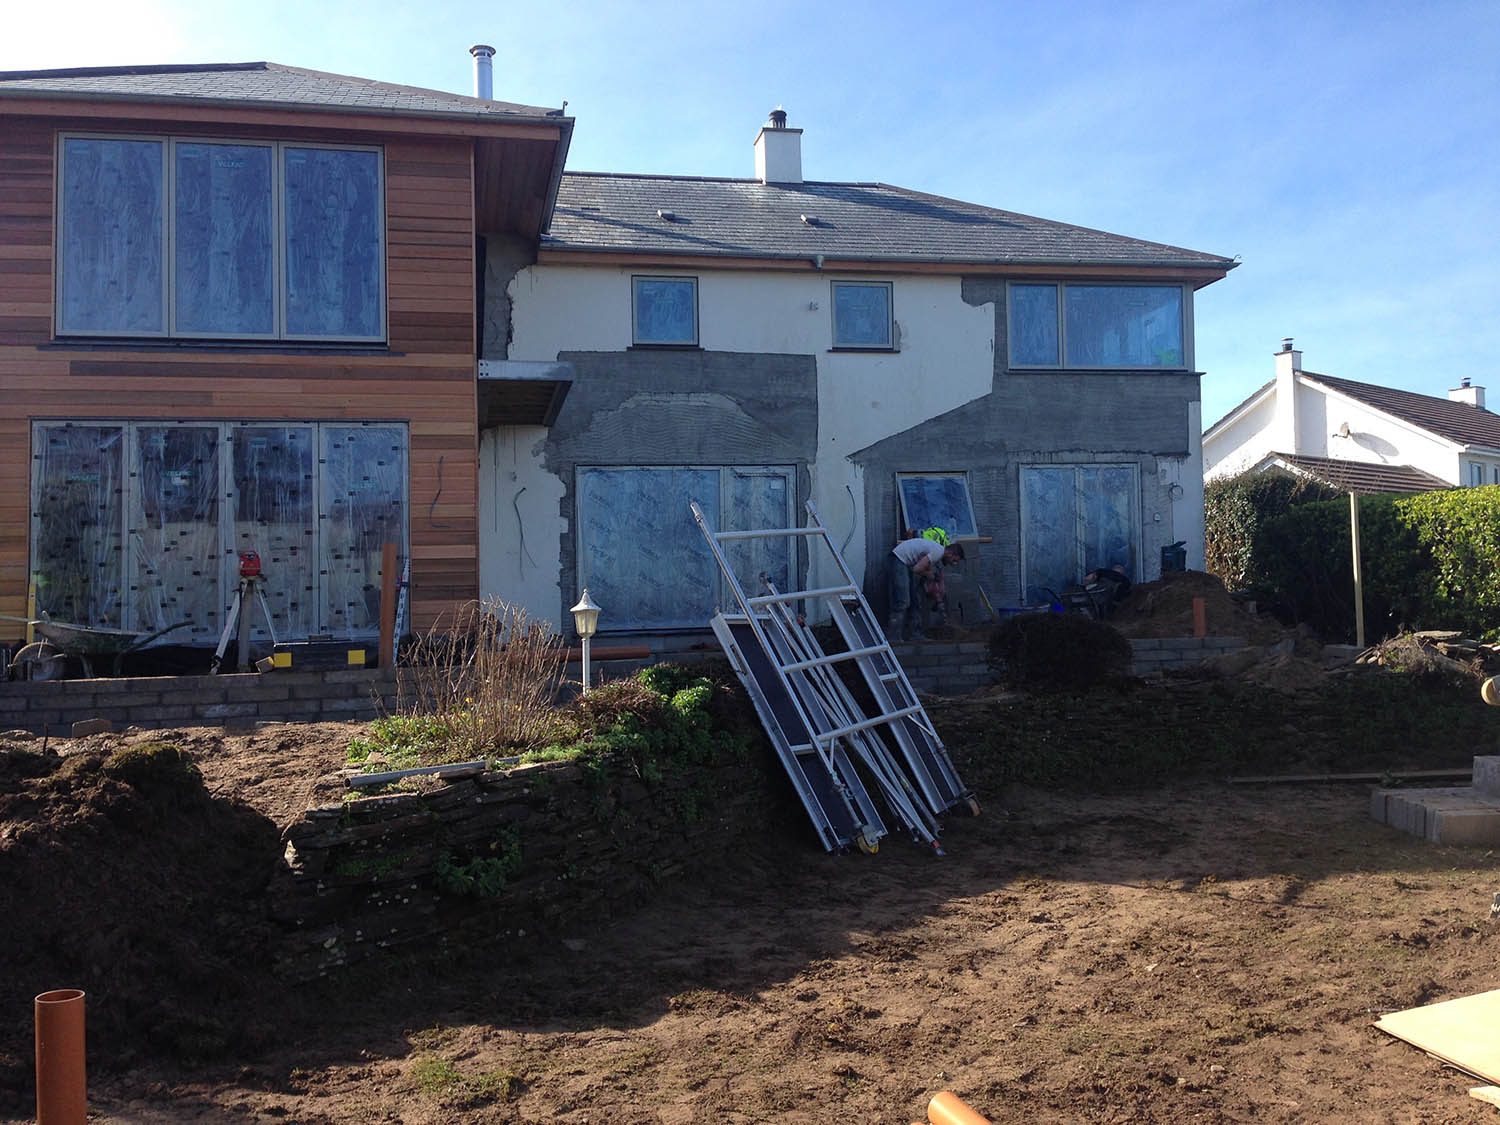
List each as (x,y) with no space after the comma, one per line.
(1234,508)
(1057,651)
(487,684)
(1427,562)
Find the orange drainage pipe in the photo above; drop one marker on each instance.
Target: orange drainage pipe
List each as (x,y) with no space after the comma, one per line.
(1200,617)
(949,1109)
(61,1089)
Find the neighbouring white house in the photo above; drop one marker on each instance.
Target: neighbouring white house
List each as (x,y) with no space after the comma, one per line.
(898,358)
(1356,436)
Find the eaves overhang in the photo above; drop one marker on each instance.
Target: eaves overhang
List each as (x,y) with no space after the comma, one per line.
(1197,274)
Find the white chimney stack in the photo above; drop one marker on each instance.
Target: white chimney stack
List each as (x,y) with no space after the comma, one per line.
(484,83)
(1464,392)
(778,151)
(1288,368)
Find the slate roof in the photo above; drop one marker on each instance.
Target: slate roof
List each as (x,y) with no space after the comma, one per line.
(863,221)
(255,83)
(1362,477)
(1456,421)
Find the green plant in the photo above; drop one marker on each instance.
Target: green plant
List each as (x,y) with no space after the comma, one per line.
(1427,561)
(484,875)
(1057,651)
(1234,508)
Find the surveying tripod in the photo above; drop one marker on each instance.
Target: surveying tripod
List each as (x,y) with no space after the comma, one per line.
(252,583)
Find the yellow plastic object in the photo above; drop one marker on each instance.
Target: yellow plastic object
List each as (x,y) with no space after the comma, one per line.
(281,659)
(357,657)
(948,1109)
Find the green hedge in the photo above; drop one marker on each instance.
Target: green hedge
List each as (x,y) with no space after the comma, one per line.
(1234,509)
(1428,561)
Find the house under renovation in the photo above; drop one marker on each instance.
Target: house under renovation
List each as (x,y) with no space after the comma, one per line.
(248,308)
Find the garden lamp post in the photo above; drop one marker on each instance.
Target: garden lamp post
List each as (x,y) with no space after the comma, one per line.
(586,621)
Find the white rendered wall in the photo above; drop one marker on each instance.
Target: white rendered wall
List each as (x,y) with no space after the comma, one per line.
(1373,437)
(519,525)
(1241,443)
(945,359)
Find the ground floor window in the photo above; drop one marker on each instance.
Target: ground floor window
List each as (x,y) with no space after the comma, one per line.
(1074,519)
(139,525)
(642,556)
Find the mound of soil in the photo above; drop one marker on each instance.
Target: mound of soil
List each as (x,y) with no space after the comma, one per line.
(120,874)
(1164,608)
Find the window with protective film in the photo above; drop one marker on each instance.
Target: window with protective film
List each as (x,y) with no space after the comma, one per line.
(645,560)
(236,239)
(936,500)
(1074,519)
(139,525)
(862,315)
(1097,326)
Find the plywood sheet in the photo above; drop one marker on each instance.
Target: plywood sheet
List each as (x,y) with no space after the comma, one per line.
(1464,1032)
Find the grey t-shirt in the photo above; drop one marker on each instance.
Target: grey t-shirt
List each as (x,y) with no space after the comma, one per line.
(911,551)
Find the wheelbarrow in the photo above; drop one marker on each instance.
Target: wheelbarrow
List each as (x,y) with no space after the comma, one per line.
(61,639)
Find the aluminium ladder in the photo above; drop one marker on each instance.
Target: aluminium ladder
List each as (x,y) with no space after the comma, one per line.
(815,720)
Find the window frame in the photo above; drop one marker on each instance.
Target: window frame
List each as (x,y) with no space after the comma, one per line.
(583,546)
(221,572)
(1138,526)
(1061,289)
(1476,474)
(635,340)
(835,285)
(959,475)
(168,143)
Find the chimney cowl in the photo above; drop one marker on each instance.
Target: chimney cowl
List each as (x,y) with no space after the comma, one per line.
(483,70)
(778,151)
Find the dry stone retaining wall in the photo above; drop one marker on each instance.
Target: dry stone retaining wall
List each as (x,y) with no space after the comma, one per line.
(572,841)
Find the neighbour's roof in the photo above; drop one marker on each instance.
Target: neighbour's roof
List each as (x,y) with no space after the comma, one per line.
(1456,421)
(1362,477)
(256,83)
(695,215)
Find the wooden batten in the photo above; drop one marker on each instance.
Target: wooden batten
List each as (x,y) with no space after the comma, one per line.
(423,377)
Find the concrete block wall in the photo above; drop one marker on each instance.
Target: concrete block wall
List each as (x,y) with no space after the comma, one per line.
(937,668)
(1149,655)
(166,701)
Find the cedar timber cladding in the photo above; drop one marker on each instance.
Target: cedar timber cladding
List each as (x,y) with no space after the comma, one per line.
(426,378)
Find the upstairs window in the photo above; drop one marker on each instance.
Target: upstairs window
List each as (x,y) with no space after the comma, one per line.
(237,240)
(862,315)
(1476,473)
(664,310)
(1073,325)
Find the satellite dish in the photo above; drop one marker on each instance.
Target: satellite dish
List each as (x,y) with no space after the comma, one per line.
(1343,429)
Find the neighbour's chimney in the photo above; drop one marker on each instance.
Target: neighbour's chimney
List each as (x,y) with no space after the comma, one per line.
(484,83)
(1284,428)
(1474,396)
(778,151)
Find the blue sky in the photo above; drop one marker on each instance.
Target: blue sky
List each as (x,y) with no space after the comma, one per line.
(1347,153)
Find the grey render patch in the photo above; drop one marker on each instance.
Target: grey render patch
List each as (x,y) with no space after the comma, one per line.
(1029,419)
(690,407)
(505,255)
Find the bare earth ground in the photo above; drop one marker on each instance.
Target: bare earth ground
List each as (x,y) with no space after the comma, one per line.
(1209,953)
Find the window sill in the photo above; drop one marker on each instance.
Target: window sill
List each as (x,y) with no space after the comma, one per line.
(865,351)
(133,344)
(665,348)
